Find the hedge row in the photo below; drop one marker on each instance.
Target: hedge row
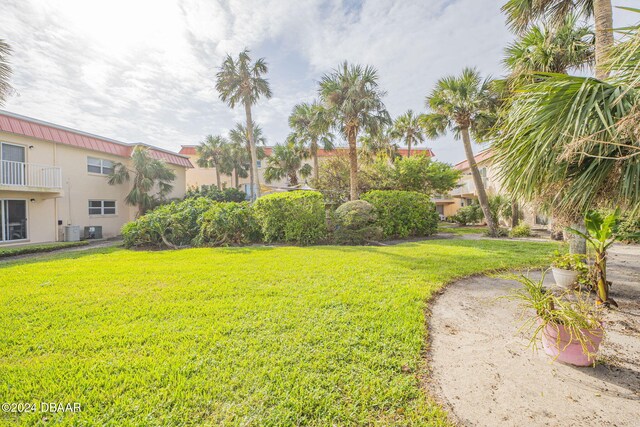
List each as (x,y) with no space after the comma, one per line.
(297,217)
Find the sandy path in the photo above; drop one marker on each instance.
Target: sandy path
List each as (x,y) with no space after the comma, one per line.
(484,375)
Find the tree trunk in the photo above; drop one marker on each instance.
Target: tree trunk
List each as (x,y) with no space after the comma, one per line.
(218,178)
(477,180)
(578,244)
(514,214)
(314,153)
(293,179)
(235,172)
(409,148)
(604,35)
(353,163)
(255,193)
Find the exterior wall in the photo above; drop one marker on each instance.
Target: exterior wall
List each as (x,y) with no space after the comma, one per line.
(49,212)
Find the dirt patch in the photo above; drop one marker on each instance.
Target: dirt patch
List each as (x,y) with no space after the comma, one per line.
(484,373)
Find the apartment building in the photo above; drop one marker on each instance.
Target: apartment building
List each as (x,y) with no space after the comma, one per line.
(466,194)
(199,176)
(53,176)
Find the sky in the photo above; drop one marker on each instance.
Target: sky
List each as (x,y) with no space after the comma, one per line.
(144,70)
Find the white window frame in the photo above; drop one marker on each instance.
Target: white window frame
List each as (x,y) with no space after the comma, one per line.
(2,220)
(102,207)
(101,165)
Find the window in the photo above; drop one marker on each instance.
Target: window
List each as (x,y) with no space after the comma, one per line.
(259,163)
(102,207)
(101,166)
(13,215)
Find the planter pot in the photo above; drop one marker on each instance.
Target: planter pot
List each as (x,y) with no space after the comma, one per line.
(558,343)
(565,278)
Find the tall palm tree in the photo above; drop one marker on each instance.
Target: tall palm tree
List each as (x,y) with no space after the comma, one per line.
(240,135)
(210,154)
(575,140)
(311,124)
(148,173)
(407,128)
(463,104)
(522,14)
(552,49)
(240,81)
(5,71)
(352,94)
(287,161)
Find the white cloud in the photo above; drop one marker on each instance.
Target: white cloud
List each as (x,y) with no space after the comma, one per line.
(144,70)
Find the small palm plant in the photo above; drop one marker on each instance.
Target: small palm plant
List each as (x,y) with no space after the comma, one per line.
(148,173)
(601,234)
(211,154)
(287,161)
(311,124)
(408,129)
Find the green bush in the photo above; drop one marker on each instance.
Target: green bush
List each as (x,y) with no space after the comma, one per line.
(468,215)
(356,223)
(629,227)
(171,225)
(403,213)
(295,217)
(521,230)
(212,192)
(228,223)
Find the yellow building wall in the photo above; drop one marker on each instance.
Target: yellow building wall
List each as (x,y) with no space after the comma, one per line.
(71,205)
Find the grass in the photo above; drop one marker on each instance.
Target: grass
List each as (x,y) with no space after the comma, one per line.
(40,247)
(461,230)
(241,336)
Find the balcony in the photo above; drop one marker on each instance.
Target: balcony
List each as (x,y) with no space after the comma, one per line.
(30,177)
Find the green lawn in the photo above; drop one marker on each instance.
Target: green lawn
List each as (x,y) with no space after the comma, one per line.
(242,336)
(459,231)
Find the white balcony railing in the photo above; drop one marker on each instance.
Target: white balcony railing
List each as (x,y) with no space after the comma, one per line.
(19,174)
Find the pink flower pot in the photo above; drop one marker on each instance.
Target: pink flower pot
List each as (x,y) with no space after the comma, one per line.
(558,343)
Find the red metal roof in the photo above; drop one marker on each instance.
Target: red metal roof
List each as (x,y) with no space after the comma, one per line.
(480,157)
(26,126)
(190,150)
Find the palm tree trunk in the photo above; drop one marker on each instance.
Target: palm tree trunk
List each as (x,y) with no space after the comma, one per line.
(314,152)
(255,182)
(353,162)
(514,214)
(409,148)
(235,173)
(218,178)
(477,180)
(604,35)
(293,179)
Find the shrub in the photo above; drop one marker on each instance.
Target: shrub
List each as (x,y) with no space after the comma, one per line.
(356,223)
(521,230)
(171,225)
(228,223)
(295,217)
(212,192)
(628,228)
(468,215)
(403,213)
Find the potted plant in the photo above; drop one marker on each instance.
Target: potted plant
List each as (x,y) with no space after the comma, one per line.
(568,324)
(568,269)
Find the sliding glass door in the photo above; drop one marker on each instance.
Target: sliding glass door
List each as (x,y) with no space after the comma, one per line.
(13,214)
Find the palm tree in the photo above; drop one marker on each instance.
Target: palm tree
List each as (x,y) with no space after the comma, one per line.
(240,136)
(552,49)
(235,161)
(462,104)
(378,146)
(311,124)
(287,161)
(5,71)
(407,128)
(522,14)
(354,98)
(210,154)
(148,173)
(573,141)
(241,81)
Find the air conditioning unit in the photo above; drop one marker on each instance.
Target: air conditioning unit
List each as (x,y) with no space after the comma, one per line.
(71,233)
(93,232)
